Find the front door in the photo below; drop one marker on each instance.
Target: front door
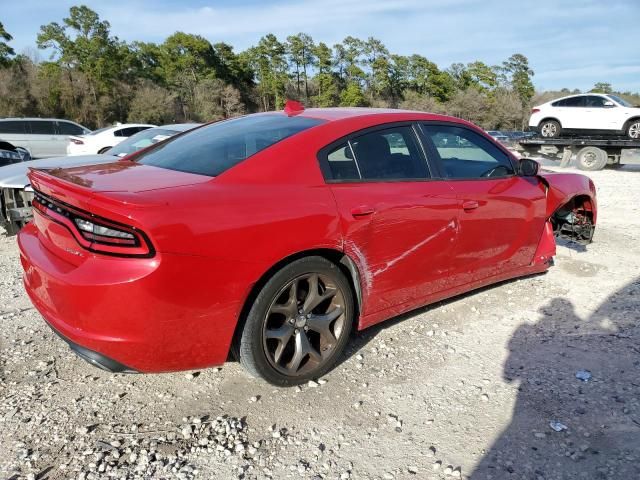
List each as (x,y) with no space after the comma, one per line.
(501,214)
(399,223)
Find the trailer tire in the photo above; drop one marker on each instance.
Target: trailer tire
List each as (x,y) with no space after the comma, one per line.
(591,159)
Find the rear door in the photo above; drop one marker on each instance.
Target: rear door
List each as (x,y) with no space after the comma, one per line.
(501,214)
(570,111)
(399,223)
(43,139)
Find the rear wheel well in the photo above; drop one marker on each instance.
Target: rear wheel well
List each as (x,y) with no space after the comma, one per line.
(546,119)
(340,259)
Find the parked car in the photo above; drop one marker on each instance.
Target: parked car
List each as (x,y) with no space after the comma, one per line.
(591,113)
(275,235)
(41,137)
(101,140)
(10,154)
(499,136)
(15,196)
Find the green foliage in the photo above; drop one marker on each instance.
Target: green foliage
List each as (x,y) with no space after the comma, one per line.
(352,96)
(6,52)
(602,87)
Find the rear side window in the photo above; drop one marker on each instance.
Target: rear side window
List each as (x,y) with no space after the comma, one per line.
(466,154)
(66,128)
(213,149)
(389,154)
(42,127)
(574,102)
(12,127)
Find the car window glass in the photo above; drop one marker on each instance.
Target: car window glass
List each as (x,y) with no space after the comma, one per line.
(42,127)
(466,154)
(594,101)
(12,127)
(66,128)
(141,140)
(212,149)
(390,154)
(342,164)
(574,102)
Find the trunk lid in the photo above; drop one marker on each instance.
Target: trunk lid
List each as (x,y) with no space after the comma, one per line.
(119,176)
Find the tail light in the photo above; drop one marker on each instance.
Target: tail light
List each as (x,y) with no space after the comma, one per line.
(76,141)
(95,233)
(535,110)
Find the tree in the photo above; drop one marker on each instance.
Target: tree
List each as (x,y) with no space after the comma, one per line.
(518,74)
(6,52)
(216,100)
(352,96)
(83,43)
(325,79)
(301,49)
(602,87)
(268,60)
(482,76)
(153,104)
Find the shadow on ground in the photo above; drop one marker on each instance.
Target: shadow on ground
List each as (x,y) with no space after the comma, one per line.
(601,416)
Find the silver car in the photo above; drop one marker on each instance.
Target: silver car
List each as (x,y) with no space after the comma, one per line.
(16,194)
(42,137)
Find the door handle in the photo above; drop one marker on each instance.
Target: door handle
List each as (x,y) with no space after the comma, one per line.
(470,205)
(362,211)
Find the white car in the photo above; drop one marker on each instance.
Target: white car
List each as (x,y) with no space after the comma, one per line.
(99,141)
(590,113)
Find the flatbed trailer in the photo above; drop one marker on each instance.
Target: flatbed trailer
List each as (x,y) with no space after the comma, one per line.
(592,153)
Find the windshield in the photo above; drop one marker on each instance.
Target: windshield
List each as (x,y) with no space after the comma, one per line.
(212,149)
(141,140)
(621,101)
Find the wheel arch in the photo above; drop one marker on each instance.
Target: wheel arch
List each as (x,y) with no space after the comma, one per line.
(629,121)
(345,263)
(546,119)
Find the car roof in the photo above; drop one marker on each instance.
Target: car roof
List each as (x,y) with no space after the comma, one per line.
(341,113)
(35,119)
(179,127)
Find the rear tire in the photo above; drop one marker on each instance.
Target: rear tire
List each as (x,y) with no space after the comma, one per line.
(633,129)
(298,324)
(591,159)
(549,129)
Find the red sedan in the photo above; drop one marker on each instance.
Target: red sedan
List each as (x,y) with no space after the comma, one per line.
(276,235)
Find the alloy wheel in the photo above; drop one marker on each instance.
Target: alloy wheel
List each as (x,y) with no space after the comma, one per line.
(304,324)
(634,130)
(548,130)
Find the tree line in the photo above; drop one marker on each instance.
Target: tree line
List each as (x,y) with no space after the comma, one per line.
(94,78)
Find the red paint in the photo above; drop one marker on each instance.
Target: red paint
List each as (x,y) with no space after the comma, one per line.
(213,239)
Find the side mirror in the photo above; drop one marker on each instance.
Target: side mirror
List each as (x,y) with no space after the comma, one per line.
(528,167)
(609,104)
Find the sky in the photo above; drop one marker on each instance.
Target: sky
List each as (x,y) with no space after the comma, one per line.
(569,43)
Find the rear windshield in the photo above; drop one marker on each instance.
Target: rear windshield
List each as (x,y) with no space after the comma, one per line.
(212,149)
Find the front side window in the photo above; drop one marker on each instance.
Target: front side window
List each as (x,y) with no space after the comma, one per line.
(595,101)
(464,154)
(42,127)
(389,154)
(213,149)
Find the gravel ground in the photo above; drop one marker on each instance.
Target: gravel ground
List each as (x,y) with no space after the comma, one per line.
(469,388)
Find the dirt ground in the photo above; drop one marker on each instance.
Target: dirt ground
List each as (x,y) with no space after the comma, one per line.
(467,388)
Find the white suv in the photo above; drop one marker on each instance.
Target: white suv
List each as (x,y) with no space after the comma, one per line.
(590,113)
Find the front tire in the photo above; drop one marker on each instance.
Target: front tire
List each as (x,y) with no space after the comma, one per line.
(298,324)
(633,129)
(549,129)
